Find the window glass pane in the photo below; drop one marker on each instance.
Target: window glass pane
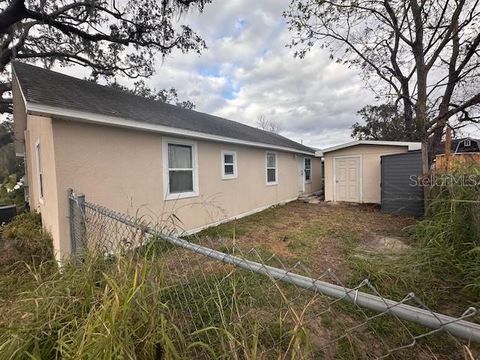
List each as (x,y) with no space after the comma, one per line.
(307,175)
(40,171)
(181,181)
(179,156)
(271,160)
(40,177)
(228,170)
(39,158)
(271,175)
(228,158)
(308,163)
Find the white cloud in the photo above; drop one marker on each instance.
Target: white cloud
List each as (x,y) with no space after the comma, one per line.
(247,70)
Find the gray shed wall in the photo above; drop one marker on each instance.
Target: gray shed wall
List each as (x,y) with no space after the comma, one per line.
(399,196)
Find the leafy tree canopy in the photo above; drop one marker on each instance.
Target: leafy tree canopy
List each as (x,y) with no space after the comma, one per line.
(110,37)
(382,122)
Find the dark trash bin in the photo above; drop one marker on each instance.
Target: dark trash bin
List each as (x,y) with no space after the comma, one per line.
(7,213)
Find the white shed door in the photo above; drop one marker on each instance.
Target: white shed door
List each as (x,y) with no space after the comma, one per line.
(347,179)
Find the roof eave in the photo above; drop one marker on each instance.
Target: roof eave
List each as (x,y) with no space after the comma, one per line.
(82,116)
(410,144)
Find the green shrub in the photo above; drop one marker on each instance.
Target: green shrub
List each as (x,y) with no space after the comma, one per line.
(28,240)
(12,192)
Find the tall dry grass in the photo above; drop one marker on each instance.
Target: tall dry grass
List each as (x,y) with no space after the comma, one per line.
(125,307)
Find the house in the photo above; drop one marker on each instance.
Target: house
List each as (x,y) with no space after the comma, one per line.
(460,146)
(353,169)
(146,158)
(463,152)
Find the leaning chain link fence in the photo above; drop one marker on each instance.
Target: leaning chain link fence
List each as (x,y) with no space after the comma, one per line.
(249,304)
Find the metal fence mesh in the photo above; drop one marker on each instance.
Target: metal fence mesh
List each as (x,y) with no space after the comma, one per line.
(257,301)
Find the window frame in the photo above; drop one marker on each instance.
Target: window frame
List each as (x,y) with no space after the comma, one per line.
(167,169)
(309,181)
(40,174)
(235,172)
(271,183)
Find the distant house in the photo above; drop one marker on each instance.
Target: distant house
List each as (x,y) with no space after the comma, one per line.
(463,152)
(460,146)
(353,169)
(133,154)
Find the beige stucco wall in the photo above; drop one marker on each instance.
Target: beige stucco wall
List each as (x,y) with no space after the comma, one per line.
(122,170)
(39,129)
(316,183)
(371,169)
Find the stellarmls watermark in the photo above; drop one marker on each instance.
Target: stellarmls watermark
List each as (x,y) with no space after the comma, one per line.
(466,180)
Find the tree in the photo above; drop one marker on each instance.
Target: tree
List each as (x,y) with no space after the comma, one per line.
(110,37)
(268,124)
(422,56)
(169,96)
(382,122)
(9,162)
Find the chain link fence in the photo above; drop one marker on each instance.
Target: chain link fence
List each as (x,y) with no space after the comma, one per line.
(270,308)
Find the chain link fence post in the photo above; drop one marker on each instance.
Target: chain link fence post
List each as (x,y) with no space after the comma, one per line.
(77,222)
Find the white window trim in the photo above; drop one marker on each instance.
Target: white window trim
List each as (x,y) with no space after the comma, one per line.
(276,168)
(40,184)
(235,173)
(166,177)
(305,168)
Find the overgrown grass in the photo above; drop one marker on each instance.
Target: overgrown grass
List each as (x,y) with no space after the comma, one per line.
(442,264)
(450,234)
(133,307)
(24,240)
(164,302)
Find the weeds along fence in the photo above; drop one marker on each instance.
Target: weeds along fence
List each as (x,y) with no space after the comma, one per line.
(265,307)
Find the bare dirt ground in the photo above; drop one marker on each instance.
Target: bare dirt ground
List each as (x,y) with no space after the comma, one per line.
(327,237)
(315,234)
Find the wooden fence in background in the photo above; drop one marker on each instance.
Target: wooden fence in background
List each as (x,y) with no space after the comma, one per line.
(444,162)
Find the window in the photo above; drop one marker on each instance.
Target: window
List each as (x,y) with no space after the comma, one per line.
(181,172)
(229,164)
(272,169)
(308,170)
(39,170)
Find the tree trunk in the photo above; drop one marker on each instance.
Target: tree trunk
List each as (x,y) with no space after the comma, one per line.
(422,72)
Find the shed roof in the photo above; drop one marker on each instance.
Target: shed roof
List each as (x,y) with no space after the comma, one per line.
(410,145)
(52,93)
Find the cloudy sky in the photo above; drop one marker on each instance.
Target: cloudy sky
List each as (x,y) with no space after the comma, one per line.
(247,71)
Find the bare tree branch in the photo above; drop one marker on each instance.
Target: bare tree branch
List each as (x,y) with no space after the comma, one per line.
(426,51)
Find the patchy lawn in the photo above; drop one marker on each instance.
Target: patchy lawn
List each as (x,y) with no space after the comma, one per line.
(321,236)
(356,242)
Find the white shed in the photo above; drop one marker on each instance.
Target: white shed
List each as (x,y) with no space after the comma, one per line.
(353,169)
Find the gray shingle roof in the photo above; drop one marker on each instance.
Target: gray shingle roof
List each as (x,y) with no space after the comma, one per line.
(45,87)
